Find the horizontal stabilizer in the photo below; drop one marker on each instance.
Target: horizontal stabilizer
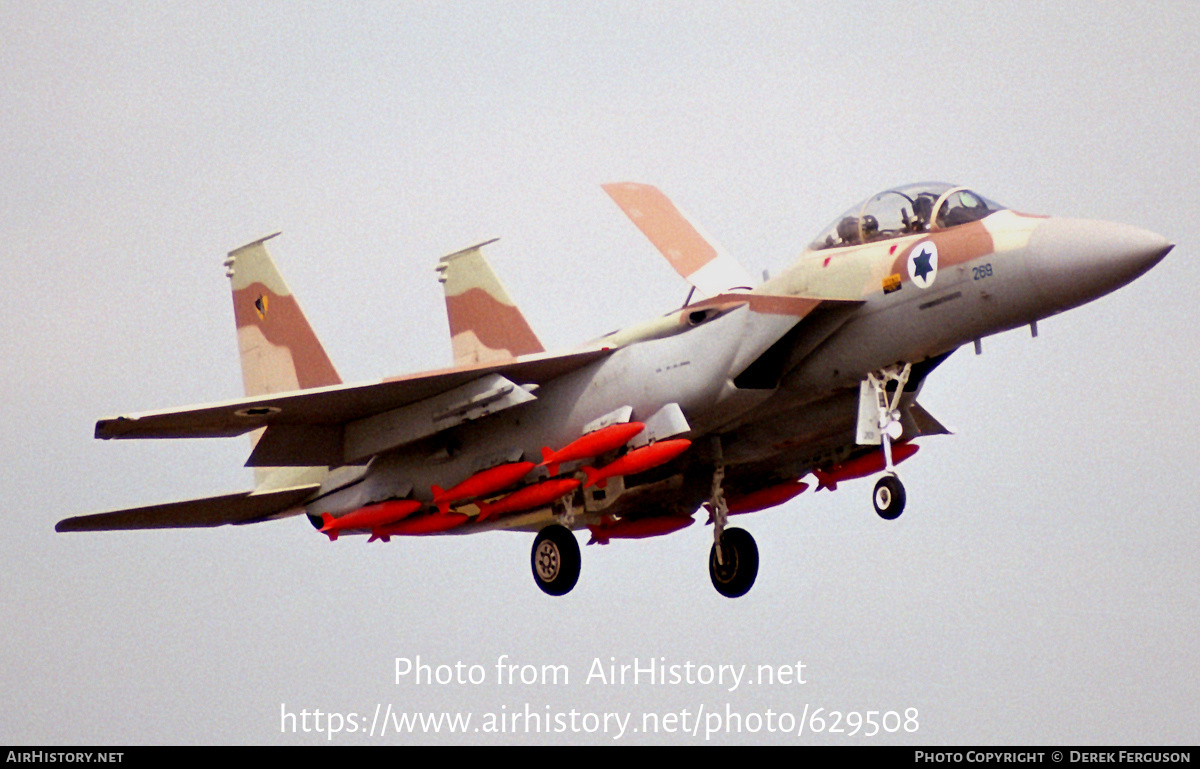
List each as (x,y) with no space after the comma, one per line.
(242,507)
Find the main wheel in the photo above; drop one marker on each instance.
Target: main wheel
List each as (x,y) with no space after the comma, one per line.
(555,560)
(735,576)
(889,497)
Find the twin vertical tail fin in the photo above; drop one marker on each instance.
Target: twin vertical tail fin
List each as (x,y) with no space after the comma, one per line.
(485,323)
(279,350)
(688,249)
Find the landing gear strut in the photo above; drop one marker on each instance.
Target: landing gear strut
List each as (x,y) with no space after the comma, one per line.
(555,560)
(889,496)
(733,558)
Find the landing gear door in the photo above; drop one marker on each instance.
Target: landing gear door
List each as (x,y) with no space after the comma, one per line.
(868,414)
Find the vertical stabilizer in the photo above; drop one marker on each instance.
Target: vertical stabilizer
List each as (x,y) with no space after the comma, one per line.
(278,348)
(485,323)
(692,253)
(279,351)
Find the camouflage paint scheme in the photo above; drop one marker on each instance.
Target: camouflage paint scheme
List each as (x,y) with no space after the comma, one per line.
(280,352)
(485,324)
(764,381)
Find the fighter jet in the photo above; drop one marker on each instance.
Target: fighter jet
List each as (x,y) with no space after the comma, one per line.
(720,407)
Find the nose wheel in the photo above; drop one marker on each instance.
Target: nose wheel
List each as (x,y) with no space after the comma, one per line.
(555,560)
(889,497)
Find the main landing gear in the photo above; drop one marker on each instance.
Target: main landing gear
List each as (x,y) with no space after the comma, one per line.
(733,563)
(889,496)
(555,560)
(733,558)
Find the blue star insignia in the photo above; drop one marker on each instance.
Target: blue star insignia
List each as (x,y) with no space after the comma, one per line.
(921,265)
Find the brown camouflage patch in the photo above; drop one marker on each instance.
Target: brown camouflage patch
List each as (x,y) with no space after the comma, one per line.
(498,326)
(283,324)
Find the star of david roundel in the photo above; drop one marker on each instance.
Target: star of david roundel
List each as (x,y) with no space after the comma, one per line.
(922,264)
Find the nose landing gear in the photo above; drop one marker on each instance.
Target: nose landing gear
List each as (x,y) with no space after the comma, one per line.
(875,406)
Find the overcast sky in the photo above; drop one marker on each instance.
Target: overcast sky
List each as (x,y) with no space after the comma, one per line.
(1042,585)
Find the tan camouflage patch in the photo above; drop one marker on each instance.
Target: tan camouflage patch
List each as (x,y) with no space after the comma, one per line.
(498,327)
(284,327)
(663,225)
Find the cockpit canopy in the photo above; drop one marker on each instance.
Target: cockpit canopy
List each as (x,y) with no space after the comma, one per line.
(905,211)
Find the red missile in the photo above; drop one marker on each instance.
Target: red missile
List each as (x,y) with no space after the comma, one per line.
(369,517)
(528,498)
(485,482)
(431,523)
(591,445)
(861,467)
(638,528)
(637,461)
(762,499)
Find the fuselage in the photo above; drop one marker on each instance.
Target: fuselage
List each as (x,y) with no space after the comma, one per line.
(728,402)
(910,276)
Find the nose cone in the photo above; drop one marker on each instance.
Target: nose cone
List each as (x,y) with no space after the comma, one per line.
(1074,261)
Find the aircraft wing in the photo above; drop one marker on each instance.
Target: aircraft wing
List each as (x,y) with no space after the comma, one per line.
(693,255)
(239,508)
(346,424)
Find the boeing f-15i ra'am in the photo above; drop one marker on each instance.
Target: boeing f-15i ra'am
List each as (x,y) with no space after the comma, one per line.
(724,405)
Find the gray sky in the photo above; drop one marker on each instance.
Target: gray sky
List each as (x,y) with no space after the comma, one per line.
(1041,586)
